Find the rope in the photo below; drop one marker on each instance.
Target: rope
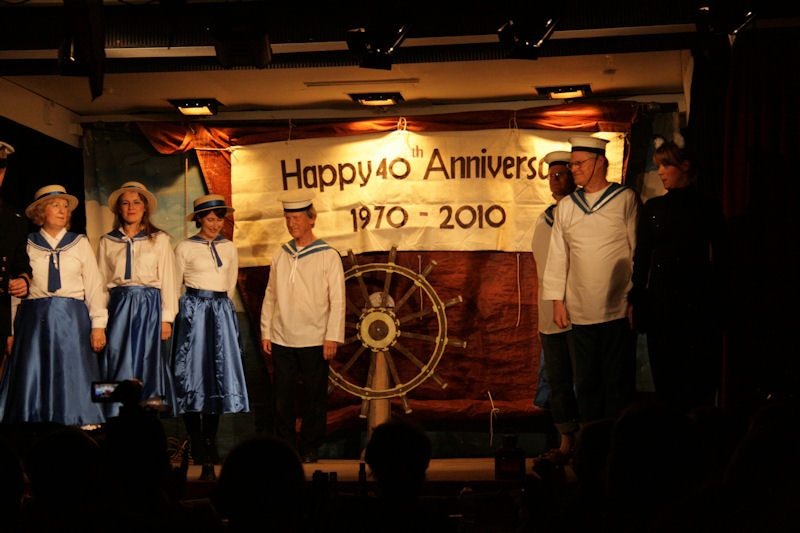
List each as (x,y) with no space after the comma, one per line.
(492,416)
(519,295)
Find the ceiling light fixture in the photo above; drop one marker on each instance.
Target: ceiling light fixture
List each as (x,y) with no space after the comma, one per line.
(374,48)
(525,40)
(564,92)
(377,99)
(196,107)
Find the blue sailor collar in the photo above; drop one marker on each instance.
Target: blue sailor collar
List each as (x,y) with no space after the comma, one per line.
(549,215)
(611,192)
(37,240)
(119,236)
(317,246)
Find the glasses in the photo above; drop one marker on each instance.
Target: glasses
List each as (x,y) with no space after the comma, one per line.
(579,163)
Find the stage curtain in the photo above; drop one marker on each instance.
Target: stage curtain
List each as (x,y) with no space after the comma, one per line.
(498,317)
(762,138)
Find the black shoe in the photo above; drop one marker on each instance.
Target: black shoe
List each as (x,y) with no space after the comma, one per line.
(311,457)
(208,473)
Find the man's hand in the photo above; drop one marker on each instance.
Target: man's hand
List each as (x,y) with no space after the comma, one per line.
(560,314)
(329,349)
(8,345)
(629,314)
(18,287)
(98,339)
(166,330)
(266,345)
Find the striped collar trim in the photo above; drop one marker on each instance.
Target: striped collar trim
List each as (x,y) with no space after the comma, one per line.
(317,246)
(37,241)
(611,192)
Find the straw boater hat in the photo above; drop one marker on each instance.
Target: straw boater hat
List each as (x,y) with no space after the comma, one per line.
(593,145)
(297,201)
(209,202)
(5,150)
(559,157)
(48,193)
(133,186)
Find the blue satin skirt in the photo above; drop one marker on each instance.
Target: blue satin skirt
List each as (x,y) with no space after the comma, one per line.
(207,355)
(49,374)
(134,349)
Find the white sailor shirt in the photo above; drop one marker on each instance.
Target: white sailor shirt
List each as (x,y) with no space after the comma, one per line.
(207,265)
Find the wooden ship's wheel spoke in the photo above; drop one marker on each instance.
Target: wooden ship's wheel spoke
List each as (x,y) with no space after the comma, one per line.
(379,329)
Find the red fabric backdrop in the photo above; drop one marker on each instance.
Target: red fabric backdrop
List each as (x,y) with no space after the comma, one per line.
(498,317)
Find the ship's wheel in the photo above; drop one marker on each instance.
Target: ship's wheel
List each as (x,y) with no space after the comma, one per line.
(395,321)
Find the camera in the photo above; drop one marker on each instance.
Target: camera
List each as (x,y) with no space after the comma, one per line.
(103,391)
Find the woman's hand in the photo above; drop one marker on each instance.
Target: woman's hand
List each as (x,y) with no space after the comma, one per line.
(8,345)
(98,339)
(166,330)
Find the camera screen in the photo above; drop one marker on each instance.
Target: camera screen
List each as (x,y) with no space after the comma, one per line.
(102,390)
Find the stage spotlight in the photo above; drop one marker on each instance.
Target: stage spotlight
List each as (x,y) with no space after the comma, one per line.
(196,107)
(242,44)
(524,40)
(374,48)
(377,99)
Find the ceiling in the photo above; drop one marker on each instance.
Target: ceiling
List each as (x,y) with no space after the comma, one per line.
(451,57)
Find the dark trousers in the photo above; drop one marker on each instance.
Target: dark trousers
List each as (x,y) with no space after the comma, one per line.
(558,359)
(605,368)
(310,363)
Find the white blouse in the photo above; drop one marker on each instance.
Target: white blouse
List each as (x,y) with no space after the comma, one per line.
(197,266)
(152,265)
(77,268)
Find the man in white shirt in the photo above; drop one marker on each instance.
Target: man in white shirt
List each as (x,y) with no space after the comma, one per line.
(588,275)
(556,346)
(302,323)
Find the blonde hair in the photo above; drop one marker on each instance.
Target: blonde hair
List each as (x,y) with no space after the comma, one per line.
(38,213)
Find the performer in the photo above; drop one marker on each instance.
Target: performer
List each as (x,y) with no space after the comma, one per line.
(207,349)
(679,281)
(588,275)
(15,270)
(302,323)
(555,343)
(138,268)
(52,364)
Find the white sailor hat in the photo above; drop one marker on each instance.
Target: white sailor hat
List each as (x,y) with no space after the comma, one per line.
(297,201)
(5,150)
(135,186)
(209,202)
(50,192)
(559,157)
(594,145)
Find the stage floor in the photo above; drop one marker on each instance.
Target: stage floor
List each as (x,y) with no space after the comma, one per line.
(439,470)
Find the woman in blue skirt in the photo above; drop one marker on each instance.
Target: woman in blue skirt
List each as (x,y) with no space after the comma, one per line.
(138,269)
(59,326)
(207,349)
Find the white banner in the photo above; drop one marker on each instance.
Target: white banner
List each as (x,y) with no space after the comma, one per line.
(468,191)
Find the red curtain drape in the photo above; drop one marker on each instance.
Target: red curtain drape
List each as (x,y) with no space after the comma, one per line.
(498,317)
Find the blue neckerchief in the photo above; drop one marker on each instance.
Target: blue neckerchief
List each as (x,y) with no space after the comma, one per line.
(37,240)
(611,192)
(119,236)
(210,244)
(549,213)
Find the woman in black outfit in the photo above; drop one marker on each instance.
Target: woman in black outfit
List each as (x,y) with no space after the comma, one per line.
(679,280)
